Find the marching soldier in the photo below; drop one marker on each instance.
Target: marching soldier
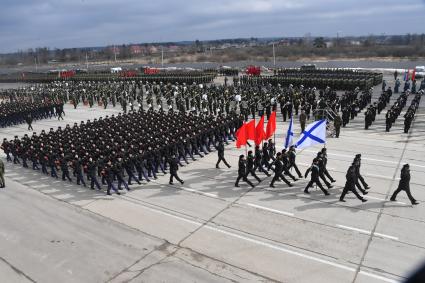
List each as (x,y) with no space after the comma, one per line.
(292,156)
(357,164)
(350,184)
(2,183)
(174,167)
(220,152)
(404,185)
(303,119)
(315,173)
(278,171)
(337,125)
(242,173)
(250,166)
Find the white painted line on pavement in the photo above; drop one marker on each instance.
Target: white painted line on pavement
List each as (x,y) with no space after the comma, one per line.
(269,209)
(200,192)
(379,176)
(378,277)
(381,199)
(386,236)
(367,232)
(354,229)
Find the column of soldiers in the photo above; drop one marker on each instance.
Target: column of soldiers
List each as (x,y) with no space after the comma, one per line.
(395,110)
(411,111)
(137,145)
(28,104)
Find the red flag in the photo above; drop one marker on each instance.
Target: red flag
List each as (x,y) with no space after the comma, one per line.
(413,74)
(241,137)
(271,125)
(259,131)
(250,130)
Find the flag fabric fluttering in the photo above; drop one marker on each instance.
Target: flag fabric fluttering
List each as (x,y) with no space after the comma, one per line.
(406,75)
(315,133)
(289,134)
(413,74)
(241,136)
(250,130)
(271,126)
(259,131)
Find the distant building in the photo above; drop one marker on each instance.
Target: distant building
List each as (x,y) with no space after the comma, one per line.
(284,43)
(355,42)
(152,49)
(173,48)
(135,49)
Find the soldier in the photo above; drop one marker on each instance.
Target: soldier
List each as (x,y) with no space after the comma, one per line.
(303,119)
(345,116)
(278,171)
(367,119)
(388,120)
(91,173)
(350,183)
(292,156)
(29,120)
(6,148)
(315,173)
(174,167)
(118,172)
(357,163)
(250,166)
(108,173)
(258,161)
(2,183)
(397,86)
(220,152)
(408,118)
(129,168)
(64,168)
(78,169)
(52,164)
(324,156)
(337,125)
(404,185)
(242,173)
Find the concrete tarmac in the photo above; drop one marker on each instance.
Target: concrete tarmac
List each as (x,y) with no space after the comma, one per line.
(207,230)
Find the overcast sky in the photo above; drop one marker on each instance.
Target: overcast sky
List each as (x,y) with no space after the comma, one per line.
(58,23)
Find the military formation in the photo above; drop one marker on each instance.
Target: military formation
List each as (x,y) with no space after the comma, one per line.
(338,79)
(180,121)
(117,146)
(28,104)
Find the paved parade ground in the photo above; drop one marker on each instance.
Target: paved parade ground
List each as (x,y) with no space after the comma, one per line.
(207,230)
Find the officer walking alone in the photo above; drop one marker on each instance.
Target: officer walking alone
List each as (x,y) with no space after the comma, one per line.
(404,185)
(220,152)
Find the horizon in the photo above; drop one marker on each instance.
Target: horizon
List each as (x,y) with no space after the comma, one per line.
(264,39)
